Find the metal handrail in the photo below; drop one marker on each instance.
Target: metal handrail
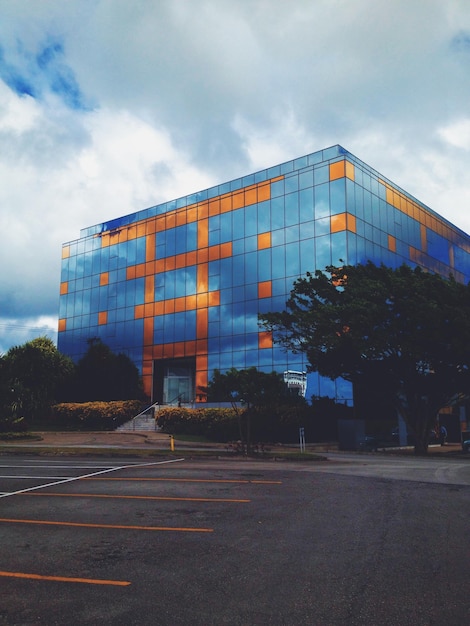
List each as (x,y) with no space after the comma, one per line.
(152,406)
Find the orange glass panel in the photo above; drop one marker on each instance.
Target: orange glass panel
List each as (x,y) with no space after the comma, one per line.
(149,309)
(104,279)
(180,261)
(66,252)
(201,323)
(202,255)
(201,348)
(350,172)
(181,217)
(201,383)
(159,308)
(149,288)
(203,233)
(102,318)
(392,243)
(132,232)
(191,258)
(264,289)
(251,196)
(170,221)
(202,362)
(168,350)
(225,250)
(238,200)
(139,311)
(191,215)
(265,340)
(202,300)
(214,253)
(157,352)
(160,224)
(141,229)
(169,306)
(130,272)
(179,349)
(214,206)
(191,302)
(202,210)
(148,331)
(264,241)
(64,288)
(214,298)
(424,243)
(62,325)
(150,267)
(351,222)
(170,263)
(139,270)
(180,304)
(337,170)
(150,247)
(264,192)
(338,223)
(226,204)
(159,266)
(202,278)
(190,348)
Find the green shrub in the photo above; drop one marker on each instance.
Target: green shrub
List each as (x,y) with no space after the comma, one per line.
(94,415)
(215,424)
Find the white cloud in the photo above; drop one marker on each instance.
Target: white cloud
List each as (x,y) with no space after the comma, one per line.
(138,103)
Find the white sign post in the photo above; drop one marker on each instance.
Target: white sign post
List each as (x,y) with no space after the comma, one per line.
(302,439)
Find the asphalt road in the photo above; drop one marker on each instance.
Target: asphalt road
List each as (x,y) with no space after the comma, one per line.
(355,540)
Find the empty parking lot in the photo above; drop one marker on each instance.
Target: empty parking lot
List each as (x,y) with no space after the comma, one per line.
(207,542)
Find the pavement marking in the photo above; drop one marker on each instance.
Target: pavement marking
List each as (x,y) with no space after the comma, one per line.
(35,477)
(74,478)
(127,497)
(110,526)
(199,480)
(66,579)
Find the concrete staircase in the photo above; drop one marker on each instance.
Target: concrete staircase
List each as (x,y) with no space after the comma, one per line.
(141,423)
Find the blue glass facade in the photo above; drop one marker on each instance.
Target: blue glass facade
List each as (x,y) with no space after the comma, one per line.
(178,287)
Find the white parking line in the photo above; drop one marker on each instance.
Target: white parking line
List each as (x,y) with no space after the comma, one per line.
(74,478)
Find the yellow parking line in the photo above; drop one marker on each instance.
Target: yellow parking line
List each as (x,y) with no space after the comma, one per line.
(105,495)
(110,526)
(66,579)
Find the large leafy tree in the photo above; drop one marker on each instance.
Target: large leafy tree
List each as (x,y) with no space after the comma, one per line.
(250,391)
(31,378)
(405,331)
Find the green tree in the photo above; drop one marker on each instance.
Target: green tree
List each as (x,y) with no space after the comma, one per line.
(250,391)
(104,375)
(31,378)
(403,330)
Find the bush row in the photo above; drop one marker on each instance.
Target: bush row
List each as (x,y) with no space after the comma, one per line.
(279,425)
(94,415)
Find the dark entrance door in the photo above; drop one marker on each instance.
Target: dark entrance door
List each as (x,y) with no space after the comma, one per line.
(173,381)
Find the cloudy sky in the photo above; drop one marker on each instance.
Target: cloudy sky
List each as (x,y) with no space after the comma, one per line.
(111,106)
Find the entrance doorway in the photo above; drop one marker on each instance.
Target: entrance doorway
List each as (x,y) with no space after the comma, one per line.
(173,381)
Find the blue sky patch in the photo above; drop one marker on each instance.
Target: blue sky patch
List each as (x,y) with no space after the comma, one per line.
(47,71)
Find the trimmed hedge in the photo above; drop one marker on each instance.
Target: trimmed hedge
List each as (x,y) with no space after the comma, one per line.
(215,424)
(94,415)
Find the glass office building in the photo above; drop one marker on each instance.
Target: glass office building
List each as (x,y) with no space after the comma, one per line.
(178,286)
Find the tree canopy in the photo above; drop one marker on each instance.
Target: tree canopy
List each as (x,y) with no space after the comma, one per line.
(31,376)
(252,389)
(405,330)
